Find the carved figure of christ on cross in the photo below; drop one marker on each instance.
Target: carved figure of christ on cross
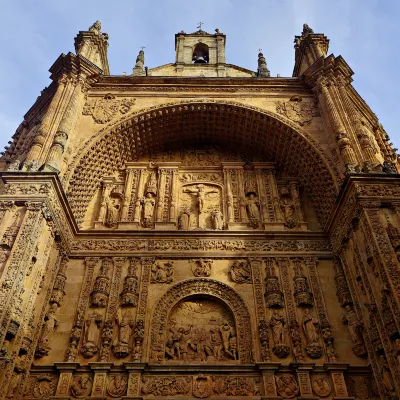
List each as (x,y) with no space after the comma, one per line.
(200,193)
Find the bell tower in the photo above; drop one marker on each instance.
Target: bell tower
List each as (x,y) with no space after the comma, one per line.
(201,53)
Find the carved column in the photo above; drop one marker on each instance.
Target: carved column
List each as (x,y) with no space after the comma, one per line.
(275,196)
(283,264)
(343,141)
(325,327)
(268,371)
(112,306)
(12,294)
(66,371)
(161,193)
(173,203)
(260,308)
(128,194)
(229,195)
(303,376)
(72,352)
(45,126)
(138,333)
(369,151)
(296,200)
(142,179)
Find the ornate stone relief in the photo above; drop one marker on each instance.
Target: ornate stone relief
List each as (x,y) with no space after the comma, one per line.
(321,386)
(298,110)
(240,272)
(277,324)
(130,292)
(117,385)
(213,335)
(302,294)
(201,330)
(105,109)
(287,386)
(201,267)
(81,386)
(91,335)
(273,294)
(162,272)
(100,292)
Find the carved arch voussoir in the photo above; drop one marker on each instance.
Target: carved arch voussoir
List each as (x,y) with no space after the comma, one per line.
(206,287)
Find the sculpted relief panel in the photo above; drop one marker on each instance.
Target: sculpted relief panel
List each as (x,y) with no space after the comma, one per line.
(198,189)
(201,329)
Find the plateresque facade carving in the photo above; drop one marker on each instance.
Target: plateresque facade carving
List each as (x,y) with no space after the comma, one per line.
(194,237)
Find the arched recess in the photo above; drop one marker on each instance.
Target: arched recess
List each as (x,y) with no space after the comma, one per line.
(205,287)
(226,124)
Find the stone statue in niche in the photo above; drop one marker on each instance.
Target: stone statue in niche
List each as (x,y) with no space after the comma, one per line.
(217,219)
(117,386)
(201,330)
(202,267)
(130,292)
(81,386)
(277,324)
(91,335)
(240,272)
(253,209)
(310,324)
(125,325)
(50,324)
(184,219)
(112,213)
(354,327)
(162,272)
(149,202)
(287,386)
(201,200)
(288,208)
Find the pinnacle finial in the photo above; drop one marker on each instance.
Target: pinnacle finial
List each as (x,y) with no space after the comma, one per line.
(306,30)
(96,27)
(200,25)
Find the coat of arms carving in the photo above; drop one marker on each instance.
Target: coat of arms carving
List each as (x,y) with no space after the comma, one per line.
(105,109)
(297,110)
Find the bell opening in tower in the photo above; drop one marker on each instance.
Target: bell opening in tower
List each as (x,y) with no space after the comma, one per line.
(200,54)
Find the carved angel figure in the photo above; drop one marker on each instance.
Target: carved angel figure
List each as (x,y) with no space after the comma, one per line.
(228,339)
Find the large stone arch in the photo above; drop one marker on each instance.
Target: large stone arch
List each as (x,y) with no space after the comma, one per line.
(196,121)
(205,287)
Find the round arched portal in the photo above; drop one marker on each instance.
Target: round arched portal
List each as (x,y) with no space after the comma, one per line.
(225,124)
(221,331)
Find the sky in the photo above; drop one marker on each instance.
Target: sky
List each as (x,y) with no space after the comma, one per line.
(35,33)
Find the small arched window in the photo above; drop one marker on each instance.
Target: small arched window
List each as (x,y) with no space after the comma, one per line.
(200,54)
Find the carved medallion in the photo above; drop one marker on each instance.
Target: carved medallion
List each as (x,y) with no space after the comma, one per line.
(105,109)
(117,385)
(240,272)
(202,386)
(45,386)
(287,386)
(297,110)
(321,386)
(81,386)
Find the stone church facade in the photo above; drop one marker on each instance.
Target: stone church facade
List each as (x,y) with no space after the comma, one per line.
(199,230)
